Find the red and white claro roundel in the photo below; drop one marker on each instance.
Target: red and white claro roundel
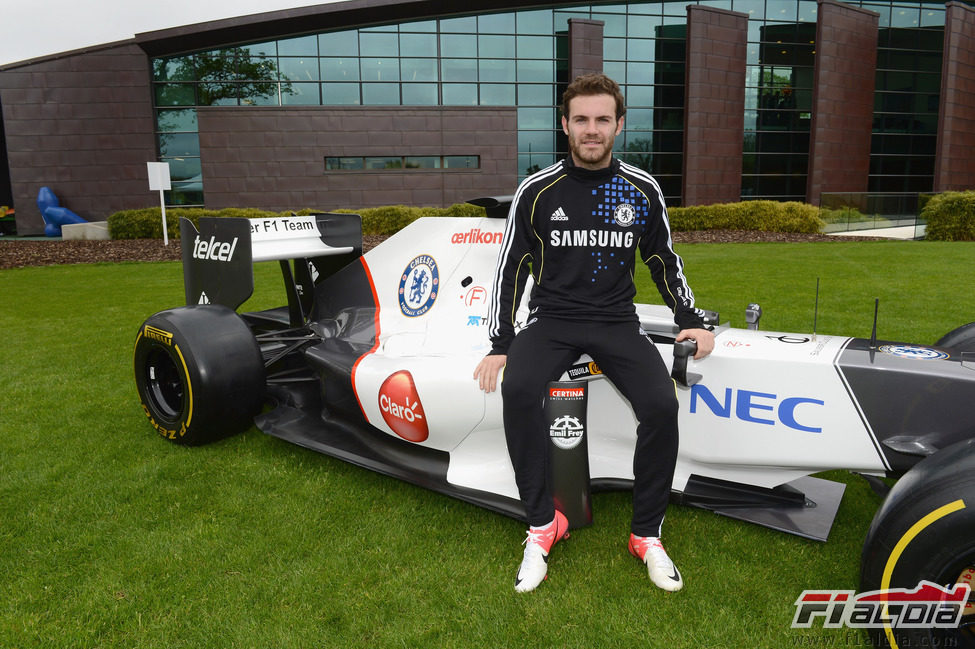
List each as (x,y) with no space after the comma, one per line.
(401,407)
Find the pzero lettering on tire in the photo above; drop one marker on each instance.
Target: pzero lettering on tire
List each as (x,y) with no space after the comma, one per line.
(199,373)
(925,530)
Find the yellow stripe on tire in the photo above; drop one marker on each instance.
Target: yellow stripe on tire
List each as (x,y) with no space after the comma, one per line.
(902,544)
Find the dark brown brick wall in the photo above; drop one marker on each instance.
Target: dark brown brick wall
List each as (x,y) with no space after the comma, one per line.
(274,158)
(843,86)
(83,126)
(954,167)
(585,46)
(714,101)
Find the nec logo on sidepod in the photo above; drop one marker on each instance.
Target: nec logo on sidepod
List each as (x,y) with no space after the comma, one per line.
(401,407)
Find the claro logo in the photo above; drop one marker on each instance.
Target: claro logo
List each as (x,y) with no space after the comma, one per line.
(213,249)
(401,407)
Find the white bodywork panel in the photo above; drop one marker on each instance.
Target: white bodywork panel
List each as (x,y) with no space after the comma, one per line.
(770,407)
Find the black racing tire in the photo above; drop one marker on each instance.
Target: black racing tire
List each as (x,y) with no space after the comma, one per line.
(962,338)
(199,373)
(925,530)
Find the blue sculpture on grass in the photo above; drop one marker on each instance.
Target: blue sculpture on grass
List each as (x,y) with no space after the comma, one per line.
(54,215)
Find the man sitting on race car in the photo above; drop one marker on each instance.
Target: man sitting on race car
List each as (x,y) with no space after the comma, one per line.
(577,226)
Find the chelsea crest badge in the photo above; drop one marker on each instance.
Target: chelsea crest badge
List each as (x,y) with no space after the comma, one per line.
(624,215)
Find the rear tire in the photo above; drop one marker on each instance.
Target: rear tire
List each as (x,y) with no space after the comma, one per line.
(962,338)
(925,530)
(199,373)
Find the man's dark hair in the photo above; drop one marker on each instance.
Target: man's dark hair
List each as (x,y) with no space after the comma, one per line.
(587,85)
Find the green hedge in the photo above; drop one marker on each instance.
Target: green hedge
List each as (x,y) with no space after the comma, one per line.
(767,216)
(950,217)
(393,218)
(146,223)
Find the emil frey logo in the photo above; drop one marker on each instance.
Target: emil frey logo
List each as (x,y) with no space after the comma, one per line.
(401,407)
(566,432)
(419,285)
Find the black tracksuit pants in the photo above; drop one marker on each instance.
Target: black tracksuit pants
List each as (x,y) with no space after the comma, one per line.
(541,353)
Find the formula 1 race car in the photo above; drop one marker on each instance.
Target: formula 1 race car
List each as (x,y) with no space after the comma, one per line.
(371,361)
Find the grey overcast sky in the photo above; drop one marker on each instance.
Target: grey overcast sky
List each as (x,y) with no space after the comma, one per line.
(41,27)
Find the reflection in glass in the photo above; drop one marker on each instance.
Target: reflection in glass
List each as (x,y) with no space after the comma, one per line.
(380,94)
(420,94)
(422,162)
(340,94)
(182,169)
(418,69)
(497,94)
(535,71)
(295,69)
(496,24)
(339,44)
(534,22)
(340,69)
(347,163)
(371,44)
(388,162)
(458,45)
(180,119)
(502,70)
(461,161)
(418,44)
(178,145)
(495,46)
(535,47)
(175,94)
(535,95)
(460,94)
(458,69)
(379,69)
(302,94)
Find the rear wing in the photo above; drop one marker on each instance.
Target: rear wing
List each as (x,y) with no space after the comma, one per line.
(496,207)
(218,258)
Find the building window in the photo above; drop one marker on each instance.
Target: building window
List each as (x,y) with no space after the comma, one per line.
(520,59)
(401,163)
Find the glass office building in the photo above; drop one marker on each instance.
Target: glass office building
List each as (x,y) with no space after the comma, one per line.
(520,59)
(353,104)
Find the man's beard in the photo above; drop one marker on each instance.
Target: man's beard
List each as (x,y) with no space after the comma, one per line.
(590,155)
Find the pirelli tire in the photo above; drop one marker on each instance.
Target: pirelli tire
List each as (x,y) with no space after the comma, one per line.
(199,373)
(925,530)
(961,338)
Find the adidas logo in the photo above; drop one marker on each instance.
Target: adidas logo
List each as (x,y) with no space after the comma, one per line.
(559,215)
(204,298)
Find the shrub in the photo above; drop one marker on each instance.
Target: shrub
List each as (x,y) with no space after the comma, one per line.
(146,223)
(767,216)
(950,217)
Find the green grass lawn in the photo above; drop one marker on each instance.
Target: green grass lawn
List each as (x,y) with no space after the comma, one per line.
(112,537)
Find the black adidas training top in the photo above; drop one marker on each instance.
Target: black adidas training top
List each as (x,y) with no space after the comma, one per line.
(577,231)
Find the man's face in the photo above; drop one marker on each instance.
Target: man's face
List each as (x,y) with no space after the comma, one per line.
(592,127)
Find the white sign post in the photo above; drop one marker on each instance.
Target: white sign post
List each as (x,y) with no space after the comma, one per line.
(159,180)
